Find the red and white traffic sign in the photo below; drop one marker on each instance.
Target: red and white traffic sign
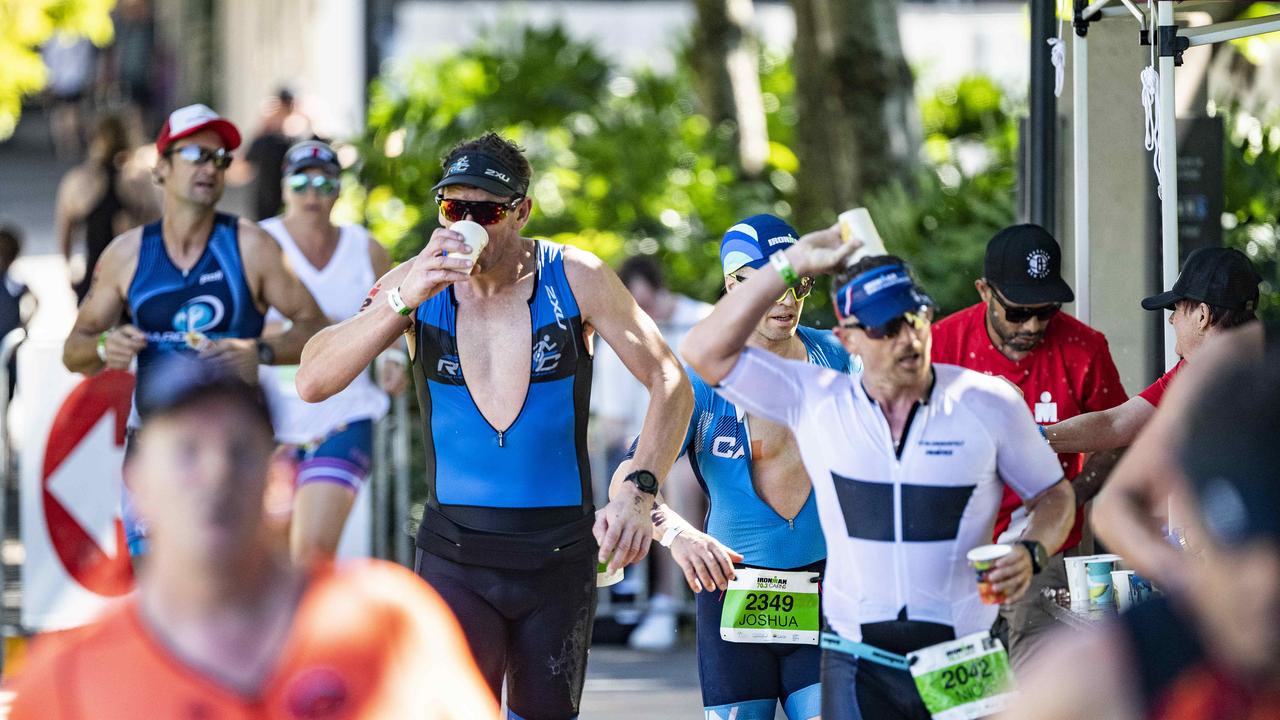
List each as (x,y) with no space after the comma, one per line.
(81,483)
(71,431)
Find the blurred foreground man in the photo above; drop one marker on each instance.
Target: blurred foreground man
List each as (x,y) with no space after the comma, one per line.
(223,625)
(906,460)
(1213,650)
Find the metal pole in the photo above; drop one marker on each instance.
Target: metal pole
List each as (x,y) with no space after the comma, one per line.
(1080,153)
(1042,125)
(382,460)
(8,346)
(1169,165)
(400,456)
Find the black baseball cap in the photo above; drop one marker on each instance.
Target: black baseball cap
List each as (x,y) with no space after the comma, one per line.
(1230,456)
(483,171)
(311,154)
(1024,263)
(177,382)
(1222,277)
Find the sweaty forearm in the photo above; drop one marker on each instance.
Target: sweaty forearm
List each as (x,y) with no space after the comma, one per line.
(337,354)
(665,423)
(1103,430)
(1051,517)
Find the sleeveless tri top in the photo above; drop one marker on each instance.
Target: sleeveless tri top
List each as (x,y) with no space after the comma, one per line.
(518,496)
(176,309)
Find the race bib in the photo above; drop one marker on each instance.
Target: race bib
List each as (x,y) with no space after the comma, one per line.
(286,378)
(769,606)
(963,679)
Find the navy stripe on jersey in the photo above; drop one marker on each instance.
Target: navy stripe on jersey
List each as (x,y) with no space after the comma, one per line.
(929,512)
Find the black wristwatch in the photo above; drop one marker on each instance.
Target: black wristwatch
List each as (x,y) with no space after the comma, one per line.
(1039,556)
(266,355)
(644,480)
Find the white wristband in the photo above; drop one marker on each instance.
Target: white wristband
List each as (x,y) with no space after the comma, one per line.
(396,302)
(670,536)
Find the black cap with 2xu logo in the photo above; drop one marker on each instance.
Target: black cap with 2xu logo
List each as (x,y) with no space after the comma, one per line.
(1222,277)
(1024,263)
(481,171)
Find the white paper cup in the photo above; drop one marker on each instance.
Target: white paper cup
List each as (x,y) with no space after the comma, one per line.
(856,223)
(1121,584)
(476,236)
(1078,578)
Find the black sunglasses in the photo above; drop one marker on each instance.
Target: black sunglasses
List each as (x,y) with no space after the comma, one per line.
(799,292)
(484,212)
(197,155)
(918,319)
(1018,314)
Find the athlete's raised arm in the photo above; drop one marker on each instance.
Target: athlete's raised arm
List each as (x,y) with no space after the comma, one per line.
(624,524)
(713,345)
(337,354)
(101,310)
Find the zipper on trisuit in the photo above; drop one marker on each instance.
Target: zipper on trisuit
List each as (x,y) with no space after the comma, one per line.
(500,434)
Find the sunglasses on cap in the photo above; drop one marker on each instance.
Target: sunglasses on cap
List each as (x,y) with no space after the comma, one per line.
(1018,314)
(323,184)
(484,212)
(799,292)
(197,155)
(918,319)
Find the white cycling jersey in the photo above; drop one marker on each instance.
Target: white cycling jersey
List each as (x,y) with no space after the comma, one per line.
(898,528)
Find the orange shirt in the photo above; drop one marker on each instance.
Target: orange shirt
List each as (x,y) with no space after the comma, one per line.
(369,640)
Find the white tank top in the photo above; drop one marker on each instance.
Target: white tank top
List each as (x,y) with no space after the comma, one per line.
(339,288)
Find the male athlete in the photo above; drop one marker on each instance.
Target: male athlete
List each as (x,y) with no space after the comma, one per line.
(761,506)
(223,625)
(502,358)
(195,282)
(906,460)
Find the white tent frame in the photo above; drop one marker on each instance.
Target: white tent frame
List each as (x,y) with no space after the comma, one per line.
(1171,42)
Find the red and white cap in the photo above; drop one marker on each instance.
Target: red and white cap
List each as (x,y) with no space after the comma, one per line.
(192,119)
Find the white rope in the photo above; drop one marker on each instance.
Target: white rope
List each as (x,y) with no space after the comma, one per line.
(1058,55)
(1150,102)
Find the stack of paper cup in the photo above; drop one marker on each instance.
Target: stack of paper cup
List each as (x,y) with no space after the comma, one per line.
(476,236)
(856,223)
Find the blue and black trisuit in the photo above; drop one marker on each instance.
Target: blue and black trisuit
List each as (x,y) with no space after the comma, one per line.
(171,307)
(506,532)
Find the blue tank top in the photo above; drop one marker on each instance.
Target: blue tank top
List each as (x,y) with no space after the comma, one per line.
(212,299)
(719,450)
(535,474)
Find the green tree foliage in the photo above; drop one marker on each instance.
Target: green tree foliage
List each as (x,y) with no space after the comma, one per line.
(1252,180)
(623,163)
(25,25)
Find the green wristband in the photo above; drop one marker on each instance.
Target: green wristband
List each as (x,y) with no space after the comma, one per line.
(102,345)
(782,264)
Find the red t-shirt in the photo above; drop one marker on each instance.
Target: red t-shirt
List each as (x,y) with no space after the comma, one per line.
(1069,373)
(368,640)
(1155,392)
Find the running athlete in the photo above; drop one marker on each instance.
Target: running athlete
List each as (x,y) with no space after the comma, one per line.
(906,460)
(331,442)
(195,282)
(761,505)
(223,625)
(502,357)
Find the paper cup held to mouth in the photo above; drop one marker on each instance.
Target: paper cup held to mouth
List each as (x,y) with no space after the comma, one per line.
(476,236)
